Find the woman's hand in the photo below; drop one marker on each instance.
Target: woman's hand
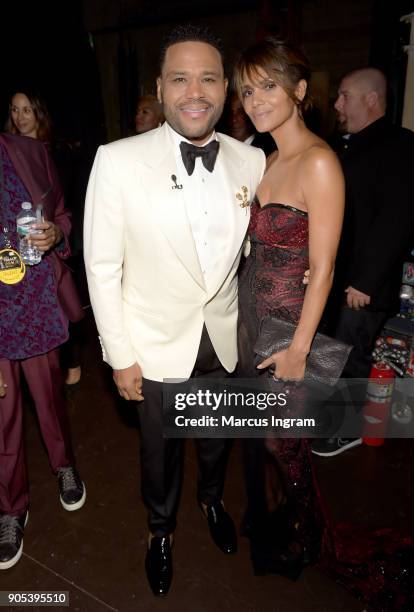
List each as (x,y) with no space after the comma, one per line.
(51,236)
(288,364)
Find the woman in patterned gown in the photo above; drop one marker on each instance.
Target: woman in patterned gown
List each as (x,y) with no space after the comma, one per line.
(296,219)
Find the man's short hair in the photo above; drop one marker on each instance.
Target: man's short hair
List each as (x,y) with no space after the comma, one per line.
(190,33)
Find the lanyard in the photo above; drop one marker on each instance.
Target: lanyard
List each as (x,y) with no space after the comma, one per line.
(1,188)
(12,267)
(3,229)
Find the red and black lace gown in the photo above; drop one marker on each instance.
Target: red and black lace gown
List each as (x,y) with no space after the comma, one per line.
(271,279)
(284,500)
(282,511)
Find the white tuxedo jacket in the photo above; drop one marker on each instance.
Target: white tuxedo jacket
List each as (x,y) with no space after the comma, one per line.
(145,281)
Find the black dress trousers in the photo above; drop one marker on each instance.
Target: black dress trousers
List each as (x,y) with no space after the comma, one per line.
(360,328)
(162,459)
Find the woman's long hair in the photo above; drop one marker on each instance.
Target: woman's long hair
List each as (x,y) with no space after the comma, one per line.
(44,130)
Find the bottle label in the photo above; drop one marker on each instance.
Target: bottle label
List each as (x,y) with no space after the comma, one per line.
(23,224)
(24,227)
(12,268)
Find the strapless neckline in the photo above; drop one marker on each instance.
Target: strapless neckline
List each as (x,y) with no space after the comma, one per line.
(279,205)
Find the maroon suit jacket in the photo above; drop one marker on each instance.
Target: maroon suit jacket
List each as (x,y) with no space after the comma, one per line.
(36,170)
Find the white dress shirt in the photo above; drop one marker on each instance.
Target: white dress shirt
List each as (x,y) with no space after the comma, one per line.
(249,139)
(209,218)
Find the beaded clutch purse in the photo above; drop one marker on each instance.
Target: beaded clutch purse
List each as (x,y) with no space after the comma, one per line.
(327,356)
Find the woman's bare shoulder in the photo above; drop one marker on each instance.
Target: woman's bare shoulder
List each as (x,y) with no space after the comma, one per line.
(319,156)
(318,149)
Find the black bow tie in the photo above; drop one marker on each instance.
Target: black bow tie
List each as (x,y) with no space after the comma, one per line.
(208,155)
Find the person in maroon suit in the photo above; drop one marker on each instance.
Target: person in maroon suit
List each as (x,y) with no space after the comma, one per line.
(29,116)
(35,309)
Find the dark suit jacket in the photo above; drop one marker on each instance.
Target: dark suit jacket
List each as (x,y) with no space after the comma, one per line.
(38,174)
(378,165)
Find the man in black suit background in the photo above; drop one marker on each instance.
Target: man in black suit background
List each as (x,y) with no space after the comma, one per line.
(378,233)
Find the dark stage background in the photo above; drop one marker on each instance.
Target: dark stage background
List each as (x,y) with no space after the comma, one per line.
(91,59)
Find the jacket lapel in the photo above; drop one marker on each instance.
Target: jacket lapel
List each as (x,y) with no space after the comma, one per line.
(233,168)
(168,203)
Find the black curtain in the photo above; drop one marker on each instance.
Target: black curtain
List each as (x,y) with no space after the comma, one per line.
(44,47)
(389,36)
(128,84)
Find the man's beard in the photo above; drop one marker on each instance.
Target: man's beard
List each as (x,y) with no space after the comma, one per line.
(342,126)
(187,131)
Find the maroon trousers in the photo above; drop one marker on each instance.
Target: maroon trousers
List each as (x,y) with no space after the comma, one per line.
(44,379)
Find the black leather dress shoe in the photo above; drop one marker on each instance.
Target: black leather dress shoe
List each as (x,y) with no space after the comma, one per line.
(158,565)
(222,528)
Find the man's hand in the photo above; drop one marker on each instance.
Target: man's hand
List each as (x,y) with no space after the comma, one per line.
(51,236)
(129,382)
(356,299)
(3,386)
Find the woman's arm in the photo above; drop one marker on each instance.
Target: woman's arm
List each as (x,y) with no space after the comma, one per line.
(55,231)
(323,190)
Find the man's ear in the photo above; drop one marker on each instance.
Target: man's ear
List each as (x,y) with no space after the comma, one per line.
(372,99)
(226,84)
(159,94)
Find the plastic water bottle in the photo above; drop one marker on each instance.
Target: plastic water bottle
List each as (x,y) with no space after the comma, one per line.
(24,221)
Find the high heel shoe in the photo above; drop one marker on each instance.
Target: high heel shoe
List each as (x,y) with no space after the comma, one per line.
(288,564)
(275,547)
(73,376)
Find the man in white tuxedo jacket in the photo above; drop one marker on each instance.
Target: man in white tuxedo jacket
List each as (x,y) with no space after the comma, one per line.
(165,223)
